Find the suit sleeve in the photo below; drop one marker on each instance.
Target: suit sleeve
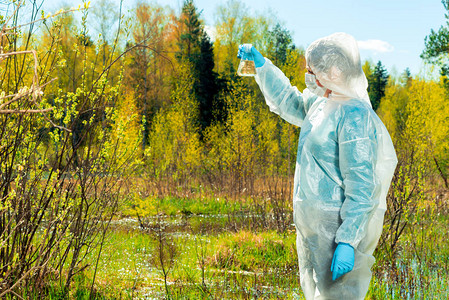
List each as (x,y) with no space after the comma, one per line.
(357,159)
(283,98)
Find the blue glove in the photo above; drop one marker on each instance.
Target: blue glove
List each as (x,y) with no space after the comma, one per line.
(343,260)
(259,60)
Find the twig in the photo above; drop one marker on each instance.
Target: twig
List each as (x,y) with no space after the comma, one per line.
(23,277)
(120,56)
(44,18)
(24,111)
(9,19)
(18,281)
(17,295)
(36,64)
(15,98)
(45,115)
(19,96)
(35,90)
(446,183)
(5,29)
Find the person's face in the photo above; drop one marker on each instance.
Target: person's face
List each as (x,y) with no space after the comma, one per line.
(328,91)
(309,70)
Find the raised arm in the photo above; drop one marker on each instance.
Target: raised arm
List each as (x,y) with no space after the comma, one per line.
(282,98)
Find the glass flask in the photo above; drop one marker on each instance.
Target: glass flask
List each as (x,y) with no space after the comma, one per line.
(247,66)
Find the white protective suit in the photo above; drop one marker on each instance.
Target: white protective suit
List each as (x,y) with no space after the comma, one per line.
(344,166)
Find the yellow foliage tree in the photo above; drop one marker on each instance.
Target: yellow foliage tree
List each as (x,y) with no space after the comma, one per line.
(427,122)
(126,131)
(174,150)
(236,145)
(294,69)
(393,111)
(417,116)
(234,26)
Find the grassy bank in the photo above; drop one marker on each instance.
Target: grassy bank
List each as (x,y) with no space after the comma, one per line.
(173,254)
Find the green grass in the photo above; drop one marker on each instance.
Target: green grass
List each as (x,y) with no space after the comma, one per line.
(172,206)
(412,282)
(264,265)
(245,264)
(248,251)
(211,262)
(421,270)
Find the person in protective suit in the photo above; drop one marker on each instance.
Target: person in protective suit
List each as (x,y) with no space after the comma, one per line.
(344,166)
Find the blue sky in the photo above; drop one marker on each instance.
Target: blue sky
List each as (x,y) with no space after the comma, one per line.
(391,31)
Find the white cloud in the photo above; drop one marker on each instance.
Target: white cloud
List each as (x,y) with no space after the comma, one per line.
(211,32)
(377,46)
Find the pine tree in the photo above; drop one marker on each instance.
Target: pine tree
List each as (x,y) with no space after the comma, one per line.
(207,86)
(437,42)
(437,47)
(196,48)
(190,33)
(406,77)
(279,42)
(377,82)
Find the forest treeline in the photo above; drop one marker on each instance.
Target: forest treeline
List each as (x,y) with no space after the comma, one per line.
(199,119)
(185,112)
(152,106)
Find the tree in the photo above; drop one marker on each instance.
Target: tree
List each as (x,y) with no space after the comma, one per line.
(406,77)
(416,115)
(279,42)
(195,48)
(75,76)
(59,192)
(437,42)
(235,25)
(149,70)
(437,47)
(175,151)
(377,83)
(368,68)
(427,126)
(105,17)
(207,86)
(190,32)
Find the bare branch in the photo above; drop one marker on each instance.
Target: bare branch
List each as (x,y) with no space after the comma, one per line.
(24,111)
(42,19)
(18,281)
(35,91)
(4,29)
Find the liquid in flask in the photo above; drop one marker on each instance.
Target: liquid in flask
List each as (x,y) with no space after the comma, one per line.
(246,68)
